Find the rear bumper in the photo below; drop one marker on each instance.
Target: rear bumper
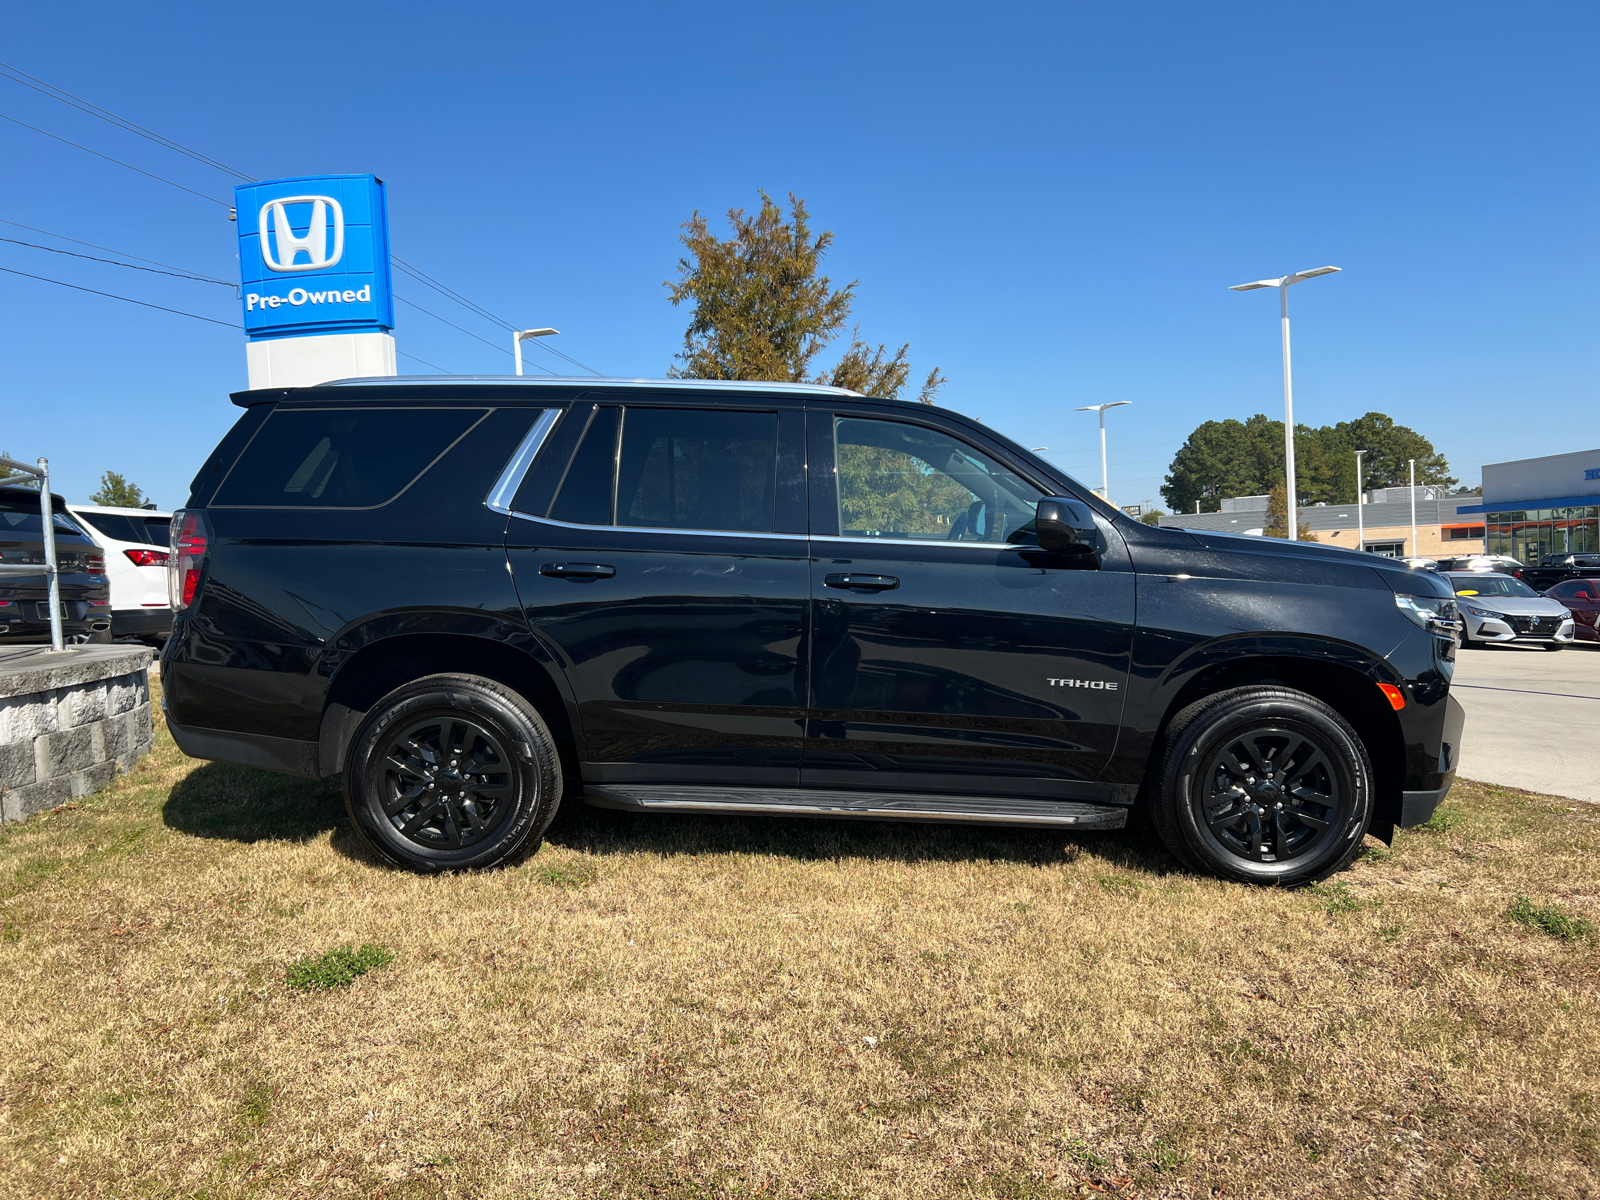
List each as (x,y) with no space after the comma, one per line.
(141,622)
(246,749)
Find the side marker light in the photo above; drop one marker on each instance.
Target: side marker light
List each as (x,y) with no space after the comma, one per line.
(1395,697)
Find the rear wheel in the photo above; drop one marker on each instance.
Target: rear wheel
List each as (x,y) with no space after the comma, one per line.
(450,773)
(1263,785)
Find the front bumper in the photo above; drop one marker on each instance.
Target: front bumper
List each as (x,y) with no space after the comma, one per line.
(1416,806)
(1499,631)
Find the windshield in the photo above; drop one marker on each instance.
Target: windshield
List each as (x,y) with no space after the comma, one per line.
(1492,585)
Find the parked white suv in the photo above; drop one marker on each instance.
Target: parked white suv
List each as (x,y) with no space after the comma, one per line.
(135,542)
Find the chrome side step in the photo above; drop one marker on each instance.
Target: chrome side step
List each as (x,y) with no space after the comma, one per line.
(871,806)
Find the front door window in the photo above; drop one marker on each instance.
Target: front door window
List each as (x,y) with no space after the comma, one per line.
(910,483)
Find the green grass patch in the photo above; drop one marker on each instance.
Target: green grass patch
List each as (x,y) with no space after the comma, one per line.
(1336,898)
(1442,821)
(339,967)
(1547,918)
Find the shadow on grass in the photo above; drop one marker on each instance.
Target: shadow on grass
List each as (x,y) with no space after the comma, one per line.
(245,805)
(242,804)
(587,830)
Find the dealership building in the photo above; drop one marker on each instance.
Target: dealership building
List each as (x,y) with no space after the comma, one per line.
(1539,506)
(1445,524)
(1528,509)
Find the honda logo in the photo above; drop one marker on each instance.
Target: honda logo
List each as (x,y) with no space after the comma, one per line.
(315,243)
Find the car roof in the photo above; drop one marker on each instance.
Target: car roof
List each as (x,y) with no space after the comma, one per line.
(126,512)
(1479,574)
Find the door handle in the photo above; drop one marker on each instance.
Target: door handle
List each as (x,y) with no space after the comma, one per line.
(569,570)
(872,583)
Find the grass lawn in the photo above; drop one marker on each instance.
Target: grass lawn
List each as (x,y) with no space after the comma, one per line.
(687,1007)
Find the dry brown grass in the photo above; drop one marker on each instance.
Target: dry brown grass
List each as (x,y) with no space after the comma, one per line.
(695,1007)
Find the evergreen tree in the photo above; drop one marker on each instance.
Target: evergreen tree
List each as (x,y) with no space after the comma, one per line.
(761,311)
(117,492)
(1245,458)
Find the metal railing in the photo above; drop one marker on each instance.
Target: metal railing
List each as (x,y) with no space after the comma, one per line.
(41,475)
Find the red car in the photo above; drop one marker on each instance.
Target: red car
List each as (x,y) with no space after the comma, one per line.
(1582,598)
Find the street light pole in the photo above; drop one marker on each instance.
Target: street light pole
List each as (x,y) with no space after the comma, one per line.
(1414,553)
(517,339)
(1105,476)
(1291,490)
(1361,523)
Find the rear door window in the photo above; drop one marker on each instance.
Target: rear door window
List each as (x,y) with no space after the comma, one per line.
(341,457)
(674,468)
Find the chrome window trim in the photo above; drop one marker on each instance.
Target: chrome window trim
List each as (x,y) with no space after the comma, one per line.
(505,488)
(717,533)
(854,541)
(786,537)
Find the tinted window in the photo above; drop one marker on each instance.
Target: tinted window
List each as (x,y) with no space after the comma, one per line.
(22,516)
(686,468)
(908,481)
(585,496)
(341,457)
(123,528)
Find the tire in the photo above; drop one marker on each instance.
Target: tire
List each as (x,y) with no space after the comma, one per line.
(1554,646)
(99,637)
(467,819)
(1297,824)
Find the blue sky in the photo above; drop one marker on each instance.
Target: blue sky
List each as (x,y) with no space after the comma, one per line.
(1048,202)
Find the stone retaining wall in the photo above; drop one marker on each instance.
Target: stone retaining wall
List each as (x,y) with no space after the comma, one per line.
(69,722)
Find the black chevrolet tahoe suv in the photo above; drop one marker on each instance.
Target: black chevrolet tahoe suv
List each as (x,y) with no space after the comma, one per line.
(477,597)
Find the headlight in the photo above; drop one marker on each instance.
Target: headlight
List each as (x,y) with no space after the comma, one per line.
(1436,614)
(1481,612)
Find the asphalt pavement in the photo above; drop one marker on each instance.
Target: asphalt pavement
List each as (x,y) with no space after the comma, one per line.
(1533,718)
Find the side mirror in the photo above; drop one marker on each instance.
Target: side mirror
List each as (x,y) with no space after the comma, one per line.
(1065,526)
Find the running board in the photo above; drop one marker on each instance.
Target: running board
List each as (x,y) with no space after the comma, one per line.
(871,806)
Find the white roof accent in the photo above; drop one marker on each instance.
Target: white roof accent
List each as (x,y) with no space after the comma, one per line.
(695,385)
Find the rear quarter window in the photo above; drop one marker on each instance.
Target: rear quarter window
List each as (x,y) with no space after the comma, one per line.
(341,457)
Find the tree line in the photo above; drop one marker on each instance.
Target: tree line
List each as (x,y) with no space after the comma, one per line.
(1245,458)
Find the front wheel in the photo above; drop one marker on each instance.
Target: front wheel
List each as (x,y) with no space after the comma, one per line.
(1262,785)
(452,773)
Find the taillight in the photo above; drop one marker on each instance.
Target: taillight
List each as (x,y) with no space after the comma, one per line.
(97,564)
(146,558)
(191,538)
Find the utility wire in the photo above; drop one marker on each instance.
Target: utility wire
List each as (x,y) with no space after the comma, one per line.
(468,332)
(125,299)
(94,110)
(66,97)
(114,263)
(153,262)
(428,281)
(118,161)
(423,361)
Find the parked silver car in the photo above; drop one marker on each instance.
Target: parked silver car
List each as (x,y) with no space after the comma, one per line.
(1496,608)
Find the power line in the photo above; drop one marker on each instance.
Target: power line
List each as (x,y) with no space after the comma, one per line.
(423,361)
(428,281)
(125,299)
(114,263)
(118,161)
(458,328)
(94,110)
(66,97)
(76,242)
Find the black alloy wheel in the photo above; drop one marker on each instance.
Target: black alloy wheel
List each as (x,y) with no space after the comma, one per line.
(1262,784)
(447,783)
(1269,794)
(452,772)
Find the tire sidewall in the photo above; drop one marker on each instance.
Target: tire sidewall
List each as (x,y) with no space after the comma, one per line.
(1346,755)
(529,768)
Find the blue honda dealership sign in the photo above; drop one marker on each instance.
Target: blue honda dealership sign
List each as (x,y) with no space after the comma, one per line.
(314,256)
